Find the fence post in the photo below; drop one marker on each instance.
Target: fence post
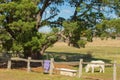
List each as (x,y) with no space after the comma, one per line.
(9,64)
(51,66)
(114,70)
(28,64)
(80,68)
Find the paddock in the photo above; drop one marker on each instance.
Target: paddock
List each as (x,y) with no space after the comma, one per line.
(81,63)
(78,73)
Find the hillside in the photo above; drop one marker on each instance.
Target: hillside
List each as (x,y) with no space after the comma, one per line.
(97,42)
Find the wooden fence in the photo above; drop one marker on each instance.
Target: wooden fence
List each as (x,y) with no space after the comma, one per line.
(29,60)
(52,62)
(80,63)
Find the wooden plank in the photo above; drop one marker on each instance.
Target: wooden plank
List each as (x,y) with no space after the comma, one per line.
(28,64)
(106,64)
(51,66)
(36,60)
(76,63)
(69,63)
(65,69)
(9,64)
(114,71)
(80,68)
(67,72)
(19,59)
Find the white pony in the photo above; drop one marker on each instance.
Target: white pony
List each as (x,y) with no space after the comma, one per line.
(94,64)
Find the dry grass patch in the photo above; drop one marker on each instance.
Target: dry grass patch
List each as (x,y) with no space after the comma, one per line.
(96,42)
(108,42)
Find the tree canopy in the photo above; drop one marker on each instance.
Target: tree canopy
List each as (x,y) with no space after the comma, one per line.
(20,21)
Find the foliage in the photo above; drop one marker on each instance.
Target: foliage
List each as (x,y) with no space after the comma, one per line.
(20,21)
(108,28)
(82,23)
(17,20)
(82,43)
(72,32)
(17,24)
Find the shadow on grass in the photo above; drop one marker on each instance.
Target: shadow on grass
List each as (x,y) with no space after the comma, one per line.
(71,57)
(62,56)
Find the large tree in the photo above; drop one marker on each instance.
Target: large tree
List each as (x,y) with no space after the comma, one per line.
(20,21)
(87,13)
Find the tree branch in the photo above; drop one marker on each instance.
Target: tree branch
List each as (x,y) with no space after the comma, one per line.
(40,13)
(89,7)
(75,13)
(51,16)
(10,32)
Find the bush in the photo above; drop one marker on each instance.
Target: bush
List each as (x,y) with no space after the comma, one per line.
(82,43)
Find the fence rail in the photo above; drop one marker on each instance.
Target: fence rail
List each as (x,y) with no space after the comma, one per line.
(52,62)
(29,60)
(80,63)
(106,64)
(21,59)
(68,63)
(77,62)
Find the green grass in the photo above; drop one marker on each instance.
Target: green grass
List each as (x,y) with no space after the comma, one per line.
(106,53)
(110,53)
(23,75)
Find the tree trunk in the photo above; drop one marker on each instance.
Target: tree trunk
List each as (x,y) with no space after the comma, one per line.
(37,56)
(38,23)
(40,13)
(27,53)
(68,42)
(43,49)
(33,55)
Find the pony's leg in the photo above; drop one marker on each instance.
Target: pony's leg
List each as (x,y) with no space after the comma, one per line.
(100,69)
(92,69)
(87,68)
(103,68)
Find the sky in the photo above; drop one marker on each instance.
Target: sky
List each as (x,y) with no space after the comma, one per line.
(66,11)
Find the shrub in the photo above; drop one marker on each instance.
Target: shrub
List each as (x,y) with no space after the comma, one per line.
(82,43)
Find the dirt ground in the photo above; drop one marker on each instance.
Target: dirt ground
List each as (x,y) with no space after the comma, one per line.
(41,69)
(37,68)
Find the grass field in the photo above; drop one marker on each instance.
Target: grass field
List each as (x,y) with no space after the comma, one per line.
(107,50)
(101,49)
